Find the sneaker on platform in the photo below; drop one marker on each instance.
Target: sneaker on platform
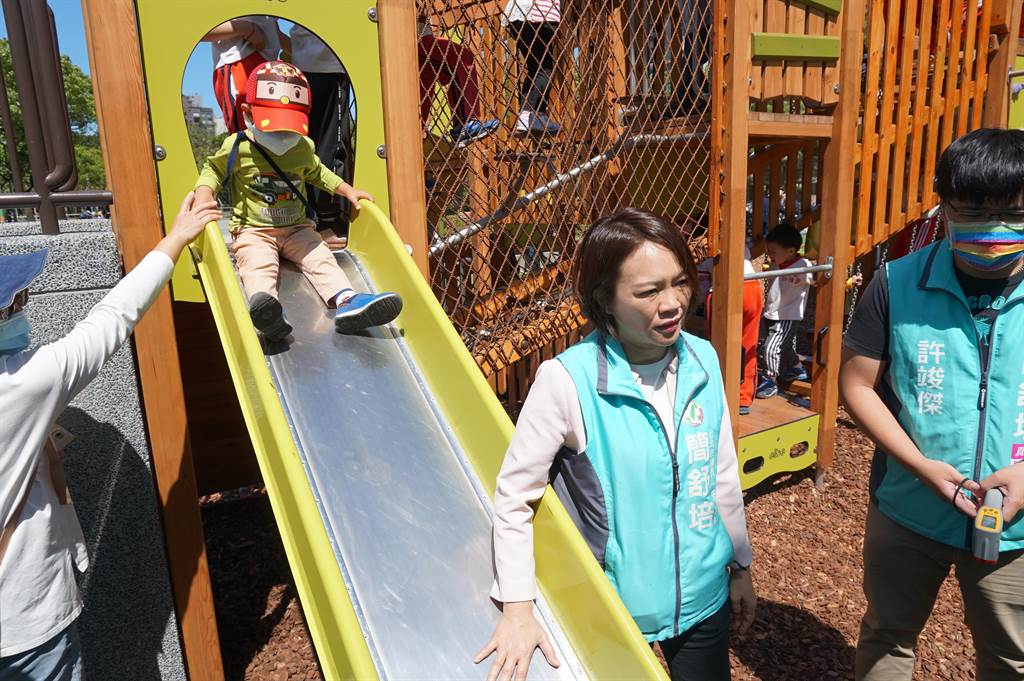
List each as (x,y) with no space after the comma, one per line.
(766,389)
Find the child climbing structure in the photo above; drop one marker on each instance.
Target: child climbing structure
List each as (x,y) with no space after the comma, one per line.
(649,112)
(695,110)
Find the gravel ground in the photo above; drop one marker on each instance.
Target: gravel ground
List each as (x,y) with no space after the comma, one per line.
(807,547)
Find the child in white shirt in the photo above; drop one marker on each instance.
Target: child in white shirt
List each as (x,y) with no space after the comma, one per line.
(783,310)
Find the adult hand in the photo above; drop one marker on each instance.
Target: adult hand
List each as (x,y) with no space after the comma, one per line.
(1011,481)
(515,638)
(943,479)
(743,598)
(192,217)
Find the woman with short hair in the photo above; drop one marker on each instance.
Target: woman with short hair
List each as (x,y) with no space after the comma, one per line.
(632,426)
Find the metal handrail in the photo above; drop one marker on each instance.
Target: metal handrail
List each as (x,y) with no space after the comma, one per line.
(622,144)
(771,274)
(35,54)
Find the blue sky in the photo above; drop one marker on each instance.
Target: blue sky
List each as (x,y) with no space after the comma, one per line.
(71,36)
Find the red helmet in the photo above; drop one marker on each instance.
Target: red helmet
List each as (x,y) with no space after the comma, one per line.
(279,95)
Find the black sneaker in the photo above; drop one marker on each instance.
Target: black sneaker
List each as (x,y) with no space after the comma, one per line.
(268,317)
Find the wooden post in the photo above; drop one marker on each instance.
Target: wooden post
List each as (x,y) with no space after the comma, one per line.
(403,132)
(732,89)
(122,113)
(1005,26)
(836,216)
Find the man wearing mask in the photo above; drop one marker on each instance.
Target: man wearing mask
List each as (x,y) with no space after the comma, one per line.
(41,541)
(933,371)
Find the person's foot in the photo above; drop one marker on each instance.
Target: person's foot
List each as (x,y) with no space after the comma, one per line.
(268,317)
(332,240)
(794,374)
(767,388)
(364,310)
(744,409)
(535,123)
(473,130)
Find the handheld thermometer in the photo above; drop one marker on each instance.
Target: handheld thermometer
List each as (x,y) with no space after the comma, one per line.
(988,526)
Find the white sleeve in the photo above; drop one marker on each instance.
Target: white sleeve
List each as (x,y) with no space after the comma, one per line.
(550,419)
(728,493)
(80,355)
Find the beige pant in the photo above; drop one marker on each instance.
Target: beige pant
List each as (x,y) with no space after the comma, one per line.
(258,251)
(903,572)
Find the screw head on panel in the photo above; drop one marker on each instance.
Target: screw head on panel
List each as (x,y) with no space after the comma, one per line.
(159,153)
(382,151)
(372,14)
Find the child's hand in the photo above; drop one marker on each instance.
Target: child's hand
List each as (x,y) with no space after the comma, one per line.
(855,280)
(353,195)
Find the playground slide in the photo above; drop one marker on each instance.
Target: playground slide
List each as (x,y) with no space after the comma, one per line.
(379,452)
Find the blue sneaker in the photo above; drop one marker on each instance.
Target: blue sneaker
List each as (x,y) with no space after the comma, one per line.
(766,389)
(744,410)
(794,374)
(268,317)
(364,310)
(473,130)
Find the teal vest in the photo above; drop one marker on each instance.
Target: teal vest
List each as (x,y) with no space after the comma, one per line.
(954,409)
(647,506)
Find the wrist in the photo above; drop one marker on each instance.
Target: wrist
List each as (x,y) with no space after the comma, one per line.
(518,609)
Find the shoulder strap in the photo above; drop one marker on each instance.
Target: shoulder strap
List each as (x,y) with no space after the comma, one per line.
(280,173)
(232,159)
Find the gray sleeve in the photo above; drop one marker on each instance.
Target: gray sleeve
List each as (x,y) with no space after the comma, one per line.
(868,333)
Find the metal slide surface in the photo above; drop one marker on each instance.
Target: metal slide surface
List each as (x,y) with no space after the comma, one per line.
(408,522)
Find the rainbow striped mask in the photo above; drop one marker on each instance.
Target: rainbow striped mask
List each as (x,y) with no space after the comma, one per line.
(988,246)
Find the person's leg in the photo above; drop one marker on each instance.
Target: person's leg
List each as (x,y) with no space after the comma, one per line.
(306,249)
(544,46)
(789,361)
(325,119)
(753,305)
(256,256)
(430,73)
(465,88)
(773,343)
(59,659)
(702,652)
(523,33)
(902,575)
(994,612)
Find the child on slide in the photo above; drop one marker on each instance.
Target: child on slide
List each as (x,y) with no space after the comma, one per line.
(266,167)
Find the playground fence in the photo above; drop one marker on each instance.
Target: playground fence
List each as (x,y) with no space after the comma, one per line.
(629,86)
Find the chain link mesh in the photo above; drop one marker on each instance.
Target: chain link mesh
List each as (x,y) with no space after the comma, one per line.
(538,119)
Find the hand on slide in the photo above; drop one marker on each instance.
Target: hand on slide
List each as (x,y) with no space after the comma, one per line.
(515,638)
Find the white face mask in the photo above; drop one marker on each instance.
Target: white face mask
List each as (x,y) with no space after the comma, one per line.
(277,143)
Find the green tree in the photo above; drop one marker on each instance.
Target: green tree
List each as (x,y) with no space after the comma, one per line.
(81,114)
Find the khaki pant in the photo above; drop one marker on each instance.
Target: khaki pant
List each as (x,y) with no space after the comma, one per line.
(903,572)
(257,254)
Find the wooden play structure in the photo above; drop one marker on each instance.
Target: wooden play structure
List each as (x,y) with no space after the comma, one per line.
(726,117)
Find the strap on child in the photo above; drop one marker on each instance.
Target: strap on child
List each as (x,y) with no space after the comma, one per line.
(233,157)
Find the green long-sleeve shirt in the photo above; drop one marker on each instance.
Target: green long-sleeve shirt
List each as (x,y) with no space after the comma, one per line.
(259,197)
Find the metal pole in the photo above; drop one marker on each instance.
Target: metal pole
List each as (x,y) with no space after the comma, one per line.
(771,274)
(620,145)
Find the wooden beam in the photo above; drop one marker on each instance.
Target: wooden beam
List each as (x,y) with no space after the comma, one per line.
(792,46)
(997,95)
(836,216)
(827,6)
(732,21)
(123,117)
(797,126)
(403,130)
